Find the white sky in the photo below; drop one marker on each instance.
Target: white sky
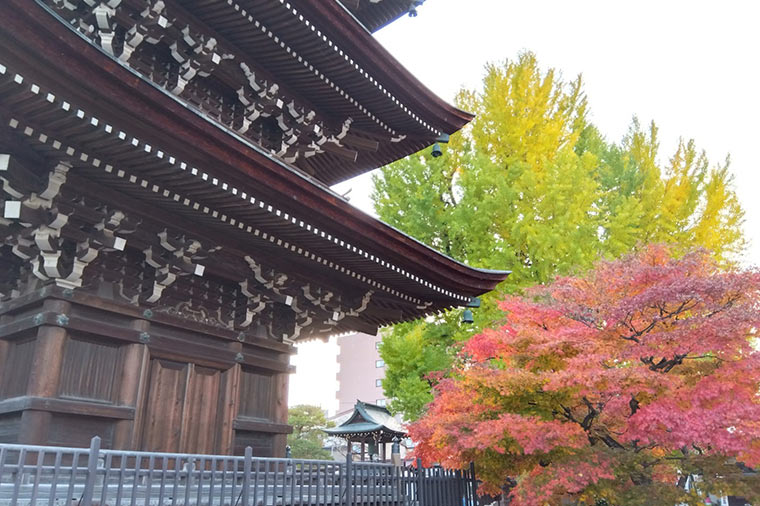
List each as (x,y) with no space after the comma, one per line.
(692,66)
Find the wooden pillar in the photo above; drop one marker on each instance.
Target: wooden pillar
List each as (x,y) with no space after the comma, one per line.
(281,412)
(44,378)
(133,378)
(3,356)
(4,350)
(228,404)
(5,318)
(185,406)
(281,403)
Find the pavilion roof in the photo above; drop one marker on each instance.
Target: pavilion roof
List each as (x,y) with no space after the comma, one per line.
(368,419)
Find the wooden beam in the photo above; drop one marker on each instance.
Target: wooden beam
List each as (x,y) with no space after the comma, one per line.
(259,426)
(348,154)
(66,406)
(360,142)
(13,326)
(14,173)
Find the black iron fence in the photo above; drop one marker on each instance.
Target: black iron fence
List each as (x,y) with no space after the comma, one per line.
(42,475)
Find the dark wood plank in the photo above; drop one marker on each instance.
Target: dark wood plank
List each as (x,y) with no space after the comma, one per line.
(10,426)
(67,406)
(164,406)
(261,442)
(257,395)
(259,426)
(90,369)
(199,417)
(74,430)
(16,367)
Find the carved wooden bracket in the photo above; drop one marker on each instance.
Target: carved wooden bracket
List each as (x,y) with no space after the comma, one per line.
(201,300)
(40,230)
(312,309)
(172,257)
(253,304)
(121,30)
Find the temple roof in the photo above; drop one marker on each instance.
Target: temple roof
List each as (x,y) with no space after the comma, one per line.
(369,419)
(302,79)
(315,51)
(131,142)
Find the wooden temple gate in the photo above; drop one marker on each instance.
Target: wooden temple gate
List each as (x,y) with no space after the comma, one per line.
(167,232)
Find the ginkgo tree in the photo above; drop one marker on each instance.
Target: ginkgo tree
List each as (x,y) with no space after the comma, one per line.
(608,388)
(532,186)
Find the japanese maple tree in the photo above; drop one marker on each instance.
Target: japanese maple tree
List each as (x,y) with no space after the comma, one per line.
(607,389)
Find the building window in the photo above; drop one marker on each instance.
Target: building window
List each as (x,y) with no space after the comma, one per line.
(377,345)
(379,363)
(381,402)
(378,382)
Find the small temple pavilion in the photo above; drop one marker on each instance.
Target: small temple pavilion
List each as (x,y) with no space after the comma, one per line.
(371,426)
(167,228)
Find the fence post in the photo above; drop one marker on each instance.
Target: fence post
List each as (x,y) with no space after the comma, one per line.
(349,477)
(475,499)
(92,472)
(247,476)
(420,483)
(396,452)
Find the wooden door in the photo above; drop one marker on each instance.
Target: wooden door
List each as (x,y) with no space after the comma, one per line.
(181,409)
(162,426)
(202,413)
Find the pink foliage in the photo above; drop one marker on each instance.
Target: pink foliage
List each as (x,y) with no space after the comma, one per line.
(645,357)
(544,485)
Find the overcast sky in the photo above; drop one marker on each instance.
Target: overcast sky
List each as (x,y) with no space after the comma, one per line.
(691,66)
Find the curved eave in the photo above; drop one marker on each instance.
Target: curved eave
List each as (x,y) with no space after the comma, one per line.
(452,273)
(62,56)
(341,27)
(362,429)
(349,74)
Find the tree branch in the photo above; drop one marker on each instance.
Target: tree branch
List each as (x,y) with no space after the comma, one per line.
(664,364)
(634,405)
(664,315)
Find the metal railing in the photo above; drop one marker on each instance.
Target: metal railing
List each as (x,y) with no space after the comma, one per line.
(56,476)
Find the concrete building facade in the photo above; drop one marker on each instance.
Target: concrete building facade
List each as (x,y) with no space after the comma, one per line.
(360,371)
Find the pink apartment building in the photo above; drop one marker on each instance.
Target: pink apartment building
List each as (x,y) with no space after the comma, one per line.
(360,371)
